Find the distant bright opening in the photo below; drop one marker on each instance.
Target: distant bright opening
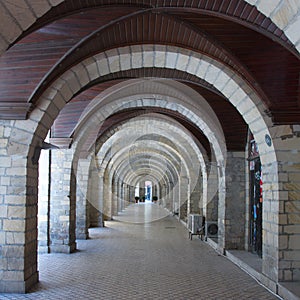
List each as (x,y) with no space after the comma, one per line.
(148,190)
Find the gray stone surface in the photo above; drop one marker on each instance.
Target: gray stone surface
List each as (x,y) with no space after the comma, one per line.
(150,260)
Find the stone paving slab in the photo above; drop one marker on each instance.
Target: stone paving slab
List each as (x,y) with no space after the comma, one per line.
(154,260)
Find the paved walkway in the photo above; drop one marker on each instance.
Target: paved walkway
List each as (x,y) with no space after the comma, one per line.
(132,259)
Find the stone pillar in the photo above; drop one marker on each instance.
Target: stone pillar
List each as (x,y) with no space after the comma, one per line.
(163,195)
(196,196)
(107,197)
(271,223)
(287,145)
(221,194)
(210,209)
(18,209)
(126,191)
(235,201)
(184,195)
(176,198)
(82,177)
(164,200)
(131,194)
(142,189)
(95,198)
(62,202)
(120,195)
(169,203)
(115,202)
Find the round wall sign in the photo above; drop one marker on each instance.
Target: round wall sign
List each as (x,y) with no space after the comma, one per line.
(268,140)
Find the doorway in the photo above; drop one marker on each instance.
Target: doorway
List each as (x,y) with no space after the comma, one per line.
(256,200)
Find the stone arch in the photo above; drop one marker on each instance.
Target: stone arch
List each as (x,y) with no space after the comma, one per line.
(139,124)
(284,14)
(120,166)
(230,85)
(143,90)
(233,87)
(38,117)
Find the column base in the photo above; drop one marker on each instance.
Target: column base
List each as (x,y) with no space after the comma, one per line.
(82,236)
(19,287)
(43,249)
(63,248)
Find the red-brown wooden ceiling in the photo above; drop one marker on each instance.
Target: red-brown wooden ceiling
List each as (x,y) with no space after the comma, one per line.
(232,32)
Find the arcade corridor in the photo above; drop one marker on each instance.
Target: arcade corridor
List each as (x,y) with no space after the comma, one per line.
(189,105)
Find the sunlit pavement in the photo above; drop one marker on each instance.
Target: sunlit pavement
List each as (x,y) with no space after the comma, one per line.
(144,254)
(144,212)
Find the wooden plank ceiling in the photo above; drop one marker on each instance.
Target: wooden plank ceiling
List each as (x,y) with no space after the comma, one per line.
(232,32)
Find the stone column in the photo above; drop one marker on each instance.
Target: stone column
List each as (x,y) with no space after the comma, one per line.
(184,195)
(235,201)
(126,193)
(165,199)
(107,197)
(18,209)
(221,208)
(123,196)
(131,194)
(142,189)
(82,177)
(120,196)
(169,202)
(285,212)
(95,198)
(176,198)
(210,209)
(164,194)
(62,202)
(115,202)
(196,196)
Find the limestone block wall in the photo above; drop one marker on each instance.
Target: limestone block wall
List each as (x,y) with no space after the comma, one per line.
(170,199)
(210,208)
(95,199)
(131,194)
(141,189)
(164,195)
(287,143)
(114,199)
(82,214)
(18,208)
(195,198)
(106,197)
(120,196)
(235,201)
(62,202)
(95,195)
(184,195)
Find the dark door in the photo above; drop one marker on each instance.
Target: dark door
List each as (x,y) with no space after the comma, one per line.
(256,207)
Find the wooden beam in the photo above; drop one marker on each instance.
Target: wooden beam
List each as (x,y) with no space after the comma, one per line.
(14,110)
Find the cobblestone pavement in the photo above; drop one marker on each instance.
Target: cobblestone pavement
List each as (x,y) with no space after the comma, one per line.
(135,260)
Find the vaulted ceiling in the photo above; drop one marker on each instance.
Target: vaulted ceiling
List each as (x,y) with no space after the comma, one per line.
(232,32)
